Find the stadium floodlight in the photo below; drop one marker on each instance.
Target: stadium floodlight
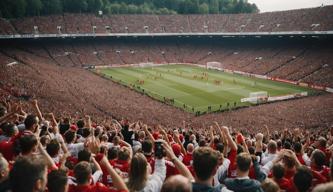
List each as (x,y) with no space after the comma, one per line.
(235,53)
(132,51)
(100,13)
(118,51)
(95,52)
(126,29)
(325,65)
(162,52)
(294,57)
(278,25)
(108,29)
(209,53)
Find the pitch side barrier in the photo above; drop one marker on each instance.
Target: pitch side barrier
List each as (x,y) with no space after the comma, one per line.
(313,34)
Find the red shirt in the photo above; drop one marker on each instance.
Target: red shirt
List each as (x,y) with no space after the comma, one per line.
(300,159)
(320,175)
(285,184)
(232,171)
(7,150)
(98,187)
(289,174)
(187,160)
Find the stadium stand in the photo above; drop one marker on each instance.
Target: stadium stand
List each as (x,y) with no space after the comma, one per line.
(91,134)
(314,19)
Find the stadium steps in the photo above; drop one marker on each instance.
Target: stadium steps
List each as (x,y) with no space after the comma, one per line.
(312,73)
(287,62)
(50,55)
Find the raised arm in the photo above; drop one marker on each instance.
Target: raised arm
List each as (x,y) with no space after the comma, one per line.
(231,142)
(35,105)
(179,165)
(117,181)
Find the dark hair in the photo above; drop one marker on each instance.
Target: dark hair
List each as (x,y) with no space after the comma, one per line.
(298,147)
(220,147)
(243,161)
(30,121)
(27,143)
(319,157)
(84,155)
(9,129)
(69,136)
(112,153)
(53,147)
(85,132)
(278,171)
(204,156)
(147,146)
(303,179)
(287,145)
(80,123)
(25,173)
(57,181)
(82,172)
(2,110)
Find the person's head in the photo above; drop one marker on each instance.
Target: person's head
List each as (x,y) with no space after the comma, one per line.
(147,147)
(31,122)
(287,145)
(124,154)
(177,183)
(112,153)
(298,147)
(208,157)
(138,173)
(70,136)
(84,155)
(57,181)
(116,140)
(270,186)
(53,148)
(29,175)
(272,147)
(220,147)
(190,148)
(28,144)
(80,124)
(322,142)
(4,168)
(244,162)
(82,173)
(10,129)
(318,158)
(303,179)
(278,171)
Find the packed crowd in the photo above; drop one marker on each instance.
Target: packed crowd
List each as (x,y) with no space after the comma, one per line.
(44,153)
(314,19)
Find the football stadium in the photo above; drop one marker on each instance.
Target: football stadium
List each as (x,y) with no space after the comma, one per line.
(170,96)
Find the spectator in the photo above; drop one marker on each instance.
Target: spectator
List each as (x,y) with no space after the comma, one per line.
(243,182)
(29,175)
(57,181)
(303,179)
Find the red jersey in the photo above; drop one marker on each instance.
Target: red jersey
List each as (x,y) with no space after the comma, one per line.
(98,187)
(232,171)
(188,159)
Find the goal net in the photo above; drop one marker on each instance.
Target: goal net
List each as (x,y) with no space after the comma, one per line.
(256,97)
(214,65)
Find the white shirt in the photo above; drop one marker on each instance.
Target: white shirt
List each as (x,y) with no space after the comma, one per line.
(221,172)
(75,148)
(155,181)
(267,157)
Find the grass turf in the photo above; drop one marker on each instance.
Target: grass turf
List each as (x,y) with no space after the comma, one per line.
(195,94)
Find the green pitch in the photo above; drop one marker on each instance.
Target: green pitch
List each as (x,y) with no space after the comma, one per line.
(196,89)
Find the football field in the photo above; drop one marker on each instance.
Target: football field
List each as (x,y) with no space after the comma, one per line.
(196,89)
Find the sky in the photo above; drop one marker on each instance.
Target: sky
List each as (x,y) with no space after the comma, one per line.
(279,5)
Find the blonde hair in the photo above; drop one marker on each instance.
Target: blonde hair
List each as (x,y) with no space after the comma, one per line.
(137,173)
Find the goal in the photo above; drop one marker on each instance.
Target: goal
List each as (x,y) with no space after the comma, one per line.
(256,97)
